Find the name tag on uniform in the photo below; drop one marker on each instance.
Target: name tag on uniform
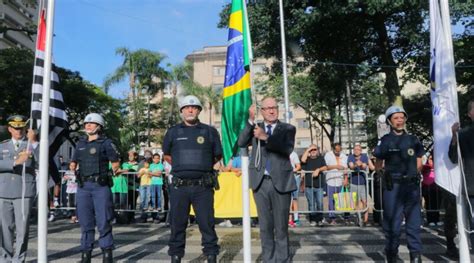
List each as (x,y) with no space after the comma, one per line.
(182,139)
(5,151)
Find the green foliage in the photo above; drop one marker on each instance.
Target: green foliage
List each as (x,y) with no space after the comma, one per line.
(143,69)
(80,96)
(16,76)
(361,44)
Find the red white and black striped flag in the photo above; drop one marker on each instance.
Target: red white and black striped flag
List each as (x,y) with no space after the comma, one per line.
(57,111)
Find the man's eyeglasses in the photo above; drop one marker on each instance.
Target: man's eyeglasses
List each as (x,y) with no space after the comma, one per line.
(270,108)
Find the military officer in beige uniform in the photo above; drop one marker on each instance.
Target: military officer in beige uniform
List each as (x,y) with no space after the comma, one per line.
(14,154)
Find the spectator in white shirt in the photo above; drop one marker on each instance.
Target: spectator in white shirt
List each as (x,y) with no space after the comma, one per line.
(336,162)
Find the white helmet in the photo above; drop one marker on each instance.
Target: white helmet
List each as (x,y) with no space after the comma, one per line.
(190,100)
(95,118)
(394,109)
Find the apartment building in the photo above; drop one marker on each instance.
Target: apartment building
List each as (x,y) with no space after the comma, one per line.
(17,14)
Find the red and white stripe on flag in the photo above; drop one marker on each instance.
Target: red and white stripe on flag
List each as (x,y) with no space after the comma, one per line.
(57,110)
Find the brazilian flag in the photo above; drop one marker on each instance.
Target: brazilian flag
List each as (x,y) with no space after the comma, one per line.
(236,94)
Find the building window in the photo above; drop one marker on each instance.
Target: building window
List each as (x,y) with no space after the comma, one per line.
(302,123)
(303,142)
(218,71)
(218,88)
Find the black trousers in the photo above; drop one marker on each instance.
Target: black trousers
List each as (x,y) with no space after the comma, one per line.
(202,199)
(450,218)
(432,197)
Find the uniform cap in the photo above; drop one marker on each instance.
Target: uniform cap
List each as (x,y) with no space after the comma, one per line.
(17,121)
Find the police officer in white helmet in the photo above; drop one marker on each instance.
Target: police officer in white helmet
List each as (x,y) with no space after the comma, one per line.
(192,148)
(94,198)
(400,154)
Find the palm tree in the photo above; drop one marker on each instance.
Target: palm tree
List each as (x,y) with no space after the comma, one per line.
(213,99)
(180,75)
(142,67)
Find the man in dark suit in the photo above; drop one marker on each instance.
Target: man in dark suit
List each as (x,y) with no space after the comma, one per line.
(271,177)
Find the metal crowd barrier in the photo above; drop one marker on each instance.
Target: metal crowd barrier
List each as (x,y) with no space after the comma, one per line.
(320,194)
(131,201)
(124,201)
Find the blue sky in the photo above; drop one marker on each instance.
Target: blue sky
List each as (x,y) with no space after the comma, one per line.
(87,32)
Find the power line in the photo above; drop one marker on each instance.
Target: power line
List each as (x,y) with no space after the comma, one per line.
(329,63)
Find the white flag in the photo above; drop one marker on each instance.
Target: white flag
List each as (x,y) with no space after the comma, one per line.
(443,95)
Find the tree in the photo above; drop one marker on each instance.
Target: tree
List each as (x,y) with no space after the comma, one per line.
(384,35)
(16,77)
(142,67)
(80,96)
(354,43)
(180,75)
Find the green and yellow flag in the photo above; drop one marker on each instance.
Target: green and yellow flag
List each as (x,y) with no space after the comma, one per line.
(236,94)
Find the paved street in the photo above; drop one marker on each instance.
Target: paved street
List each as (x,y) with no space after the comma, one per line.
(148,243)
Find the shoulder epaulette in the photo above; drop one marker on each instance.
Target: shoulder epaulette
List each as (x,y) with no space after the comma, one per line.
(5,140)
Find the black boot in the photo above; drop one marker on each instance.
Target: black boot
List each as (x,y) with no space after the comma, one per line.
(86,257)
(415,258)
(107,256)
(175,259)
(451,250)
(211,258)
(391,257)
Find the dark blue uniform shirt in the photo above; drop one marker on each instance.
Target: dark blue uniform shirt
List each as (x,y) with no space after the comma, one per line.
(400,153)
(193,149)
(103,147)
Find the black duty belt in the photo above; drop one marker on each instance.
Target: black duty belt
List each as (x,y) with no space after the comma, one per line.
(405,179)
(92,179)
(188,182)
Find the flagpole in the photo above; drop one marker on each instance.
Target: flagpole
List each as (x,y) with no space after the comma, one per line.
(283,61)
(464,255)
(44,141)
(246,226)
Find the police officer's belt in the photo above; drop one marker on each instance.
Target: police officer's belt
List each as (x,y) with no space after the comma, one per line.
(405,179)
(92,179)
(188,182)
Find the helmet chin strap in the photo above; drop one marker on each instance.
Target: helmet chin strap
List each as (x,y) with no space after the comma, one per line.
(95,131)
(396,129)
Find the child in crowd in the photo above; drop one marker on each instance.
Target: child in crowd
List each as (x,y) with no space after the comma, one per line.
(156,170)
(71,189)
(145,181)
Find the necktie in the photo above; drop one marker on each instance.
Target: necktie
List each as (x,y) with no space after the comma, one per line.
(269,129)
(17,145)
(267,164)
